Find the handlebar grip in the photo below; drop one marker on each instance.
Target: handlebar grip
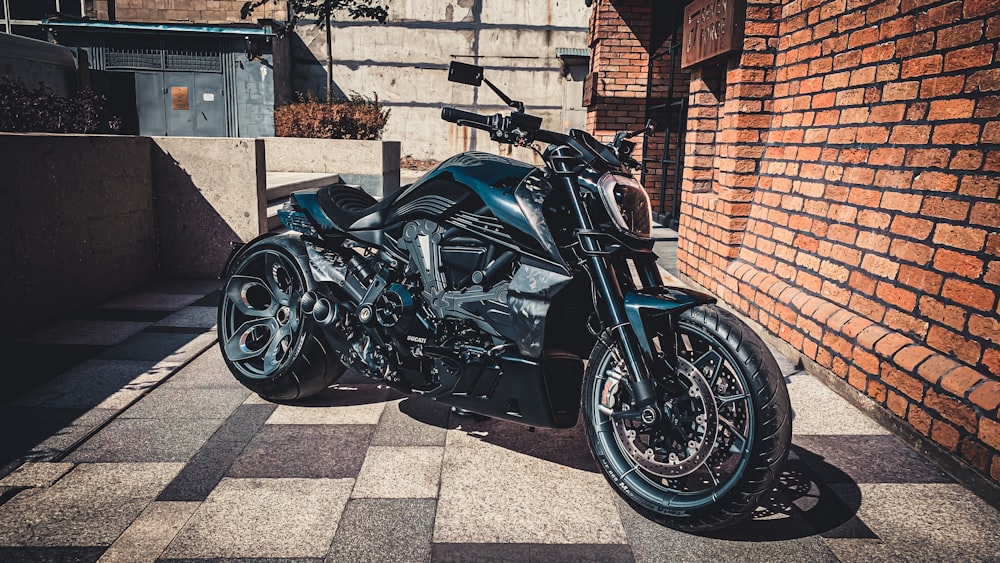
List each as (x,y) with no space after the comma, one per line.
(455,115)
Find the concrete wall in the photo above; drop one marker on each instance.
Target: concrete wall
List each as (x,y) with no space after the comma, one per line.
(209,193)
(374,165)
(405,62)
(76,221)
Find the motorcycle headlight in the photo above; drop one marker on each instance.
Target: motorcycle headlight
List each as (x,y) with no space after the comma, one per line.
(627,204)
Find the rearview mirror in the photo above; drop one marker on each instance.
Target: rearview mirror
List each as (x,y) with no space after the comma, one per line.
(465,74)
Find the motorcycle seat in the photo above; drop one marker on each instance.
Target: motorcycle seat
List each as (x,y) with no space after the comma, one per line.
(350,206)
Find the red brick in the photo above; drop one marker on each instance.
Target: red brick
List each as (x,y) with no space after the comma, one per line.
(935,367)
(960,381)
(945,434)
(986,396)
(938,87)
(920,420)
(952,410)
(986,213)
(897,296)
(946,260)
(898,201)
(948,315)
(985,328)
(949,342)
(910,134)
(962,34)
(927,157)
(989,433)
(968,294)
(911,251)
(970,57)
(956,134)
(903,383)
(896,91)
(897,404)
(974,8)
(911,227)
(944,208)
(955,236)
(951,109)
(975,453)
(921,66)
(985,187)
(966,160)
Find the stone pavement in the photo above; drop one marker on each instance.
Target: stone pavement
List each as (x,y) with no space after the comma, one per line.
(142,447)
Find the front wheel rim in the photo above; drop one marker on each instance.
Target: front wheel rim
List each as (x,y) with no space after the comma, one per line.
(692,474)
(261,320)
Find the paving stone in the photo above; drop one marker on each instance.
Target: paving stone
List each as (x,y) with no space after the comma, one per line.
(109,384)
(192,287)
(477,552)
(150,533)
(412,422)
(36,474)
(355,404)
(37,428)
(867,459)
(400,472)
(264,518)
(166,348)
(148,300)
(207,371)
(136,440)
(492,494)
(191,316)
(51,554)
(90,506)
(244,423)
(374,530)
(818,410)
(203,472)
(922,522)
(652,542)
(316,451)
(187,403)
(28,366)
(92,333)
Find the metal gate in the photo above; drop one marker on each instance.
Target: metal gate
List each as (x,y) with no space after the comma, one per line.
(179,88)
(666,103)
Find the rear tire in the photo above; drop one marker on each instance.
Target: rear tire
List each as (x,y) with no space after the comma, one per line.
(724,437)
(269,345)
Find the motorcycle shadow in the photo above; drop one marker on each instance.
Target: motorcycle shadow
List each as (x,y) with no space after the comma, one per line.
(803,504)
(566,447)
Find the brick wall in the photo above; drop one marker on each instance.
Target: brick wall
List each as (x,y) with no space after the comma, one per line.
(184,11)
(841,190)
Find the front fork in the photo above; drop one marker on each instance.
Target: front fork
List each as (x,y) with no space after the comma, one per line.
(614,314)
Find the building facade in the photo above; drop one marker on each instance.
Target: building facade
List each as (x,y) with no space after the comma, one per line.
(840,189)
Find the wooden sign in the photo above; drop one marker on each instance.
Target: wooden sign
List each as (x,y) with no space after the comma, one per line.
(712,28)
(179,97)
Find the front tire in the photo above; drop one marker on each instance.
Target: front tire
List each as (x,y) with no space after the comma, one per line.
(269,345)
(722,439)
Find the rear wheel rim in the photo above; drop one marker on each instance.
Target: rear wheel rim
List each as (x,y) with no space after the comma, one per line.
(261,321)
(714,413)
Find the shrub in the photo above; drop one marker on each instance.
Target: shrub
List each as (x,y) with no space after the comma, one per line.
(355,117)
(41,110)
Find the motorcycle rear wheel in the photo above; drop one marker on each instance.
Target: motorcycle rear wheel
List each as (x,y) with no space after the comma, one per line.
(724,434)
(269,345)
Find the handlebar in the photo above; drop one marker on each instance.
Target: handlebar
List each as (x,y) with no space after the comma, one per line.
(455,115)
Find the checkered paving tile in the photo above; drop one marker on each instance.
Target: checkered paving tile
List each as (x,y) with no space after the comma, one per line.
(146,448)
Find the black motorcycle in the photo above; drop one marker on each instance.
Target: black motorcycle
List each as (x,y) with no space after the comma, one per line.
(523,293)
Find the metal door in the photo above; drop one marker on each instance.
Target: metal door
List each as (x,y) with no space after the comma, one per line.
(149,103)
(209,105)
(179,89)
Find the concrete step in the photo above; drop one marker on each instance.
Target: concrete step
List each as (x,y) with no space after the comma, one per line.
(273,222)
(281,184)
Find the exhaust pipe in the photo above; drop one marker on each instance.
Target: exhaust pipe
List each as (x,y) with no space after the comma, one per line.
(322,311)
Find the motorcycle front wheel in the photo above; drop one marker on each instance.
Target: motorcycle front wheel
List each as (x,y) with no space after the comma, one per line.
(723,434)
(269,345)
